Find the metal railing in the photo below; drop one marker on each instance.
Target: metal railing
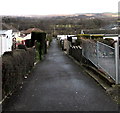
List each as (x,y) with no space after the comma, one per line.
(102,56)
(106,59)
(89,51)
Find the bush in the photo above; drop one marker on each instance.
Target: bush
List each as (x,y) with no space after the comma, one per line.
(21,46)
(15,65)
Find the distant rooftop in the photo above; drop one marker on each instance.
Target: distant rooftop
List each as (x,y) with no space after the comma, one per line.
(8,27)
(30,30)
(4,31)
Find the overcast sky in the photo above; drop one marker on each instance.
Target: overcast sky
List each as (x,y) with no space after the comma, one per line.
(46,7)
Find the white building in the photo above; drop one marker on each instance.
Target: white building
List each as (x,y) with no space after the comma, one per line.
(63,37)
(5,41)
(16,34)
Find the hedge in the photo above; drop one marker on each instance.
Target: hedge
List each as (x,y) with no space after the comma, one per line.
(15,65)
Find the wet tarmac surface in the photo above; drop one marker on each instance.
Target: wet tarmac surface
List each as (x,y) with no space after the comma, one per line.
(58,84)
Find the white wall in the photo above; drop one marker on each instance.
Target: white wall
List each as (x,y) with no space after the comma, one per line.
(16,34)
(0,45)
(63,37)
(5,41)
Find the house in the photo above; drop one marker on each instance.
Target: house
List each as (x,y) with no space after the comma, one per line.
(5,41)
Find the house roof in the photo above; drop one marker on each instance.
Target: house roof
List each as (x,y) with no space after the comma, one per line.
(2,32)
(8,27)
(30,30)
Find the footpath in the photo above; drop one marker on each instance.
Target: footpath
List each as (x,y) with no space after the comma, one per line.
(59,84)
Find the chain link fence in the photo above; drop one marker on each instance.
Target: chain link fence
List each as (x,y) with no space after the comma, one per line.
(101,55)
(106,58)
(89,51)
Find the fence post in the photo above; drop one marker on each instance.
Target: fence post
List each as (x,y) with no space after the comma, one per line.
(117,61)
(1,67)
(97,54)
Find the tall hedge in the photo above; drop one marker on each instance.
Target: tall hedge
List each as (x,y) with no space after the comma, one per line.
(15,65)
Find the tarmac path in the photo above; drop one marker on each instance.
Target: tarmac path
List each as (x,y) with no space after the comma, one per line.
(58,84)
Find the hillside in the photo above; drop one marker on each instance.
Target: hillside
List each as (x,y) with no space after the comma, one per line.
(63,24)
